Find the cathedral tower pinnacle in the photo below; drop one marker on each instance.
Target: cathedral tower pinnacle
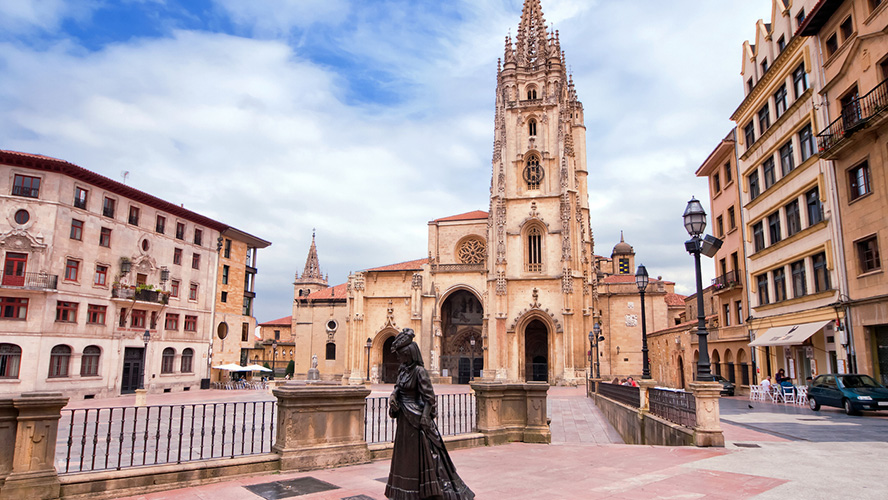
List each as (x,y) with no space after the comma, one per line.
(312,280)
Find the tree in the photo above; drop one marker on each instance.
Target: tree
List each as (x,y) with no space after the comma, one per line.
(291,368)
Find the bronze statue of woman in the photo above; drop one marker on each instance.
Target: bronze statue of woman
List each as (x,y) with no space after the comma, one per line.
(421,467)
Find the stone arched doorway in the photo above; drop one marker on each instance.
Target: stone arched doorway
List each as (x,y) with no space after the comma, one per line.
(536,352)
(681,373)
(389,365)
(462,317)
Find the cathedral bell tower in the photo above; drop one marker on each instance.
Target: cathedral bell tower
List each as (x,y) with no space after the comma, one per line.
(542,287)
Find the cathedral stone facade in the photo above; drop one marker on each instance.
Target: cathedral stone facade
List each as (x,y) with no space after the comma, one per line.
(510,294)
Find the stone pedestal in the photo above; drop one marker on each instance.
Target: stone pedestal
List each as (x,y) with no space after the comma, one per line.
(643,386)
(141,397)
(512,412)
(33,471)
(313,374)
(7,437)
(320,426)
(708,431)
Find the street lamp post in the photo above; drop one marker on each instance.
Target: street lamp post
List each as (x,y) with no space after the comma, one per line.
(695,222)
(594,338)
(145,337)
(472,366)
(368,346)
(641,281)
(274,348)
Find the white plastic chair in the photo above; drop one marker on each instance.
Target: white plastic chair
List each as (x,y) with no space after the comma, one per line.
(789,395)
(801,395)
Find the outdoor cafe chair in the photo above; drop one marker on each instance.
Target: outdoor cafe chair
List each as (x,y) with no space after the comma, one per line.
(801,395)
(789,395)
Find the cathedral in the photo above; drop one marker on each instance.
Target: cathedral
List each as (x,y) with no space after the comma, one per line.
(508,294)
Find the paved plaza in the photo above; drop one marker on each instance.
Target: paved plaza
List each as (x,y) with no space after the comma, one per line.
(772,451)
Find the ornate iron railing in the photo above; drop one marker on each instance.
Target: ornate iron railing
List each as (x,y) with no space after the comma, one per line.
(727,280)
(143,295)
(456,415)
(94,439)
(678,407)
(33,281)
(625,394)
(854,116)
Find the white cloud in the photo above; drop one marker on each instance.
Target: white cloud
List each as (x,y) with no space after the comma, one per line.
(278,17)
(26,16)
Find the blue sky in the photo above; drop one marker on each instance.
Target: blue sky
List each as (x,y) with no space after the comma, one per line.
(366,119)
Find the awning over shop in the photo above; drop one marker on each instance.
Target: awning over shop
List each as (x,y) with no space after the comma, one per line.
(788,335)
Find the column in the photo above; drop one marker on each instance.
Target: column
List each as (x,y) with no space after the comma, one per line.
(708,431)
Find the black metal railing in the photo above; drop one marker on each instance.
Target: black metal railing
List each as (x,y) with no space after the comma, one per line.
(144,295)
(33,281)
(95,439)
(108,212)
(456,415)
(30,192)
(727,280)
(625,394)
(79,203)
(676,406)
(854,115)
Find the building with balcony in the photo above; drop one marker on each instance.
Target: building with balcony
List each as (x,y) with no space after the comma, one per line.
(851,36)
(790,221)
(93,267)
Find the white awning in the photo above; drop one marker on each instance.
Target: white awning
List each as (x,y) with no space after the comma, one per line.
(788,335)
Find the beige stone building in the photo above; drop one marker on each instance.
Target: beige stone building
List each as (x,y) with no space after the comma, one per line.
(851,38)
(90,266)
(790,218)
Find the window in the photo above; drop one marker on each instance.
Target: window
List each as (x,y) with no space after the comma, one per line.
(122,321)
(732,219)
(277,334)
(847,28)
(806,142)
(105,237)
(160,224)
(187,356)
(225,270)
(727,314)
(738,306)
(195,261)
(768,171)
(754,190)
(764,66)
(774,227)
(108,207)
(59,359)
(762,281)
(749,85)
(780,101)
(764,116)
(24,185)
(180,230)
(245,332)
(198,236)
(171,322)
(532,127)
(729,177)
(227,249)
(781,44)
(720,225)
(868,254)
(76,229)
(174,288)
(758,235)
(80,196)
(793,218)
(95,314)
(799,80)
(799,285)
(22,216)
(167,359)
(859,180)
(815,210)
(716,183)
(101,276)
(531,93)
(192,293)
(800,18)
(13,308)
(224,297)
(89,361)
(331,350)
(534,250)
(134,216)
(786,162)
(821,273)
(831,44)
(10,360)
(533,173)
(247,310)
(190,323)
(137,318)
(779,284)
(72,269)
(177,256)
(749,134)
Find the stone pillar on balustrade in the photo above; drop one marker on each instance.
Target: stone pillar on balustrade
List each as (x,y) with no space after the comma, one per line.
(320,426)
(644,400)
(33,473)
(708,430)
(512,412)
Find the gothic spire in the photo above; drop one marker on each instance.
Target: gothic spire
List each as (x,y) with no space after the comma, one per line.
(312,267)
(532,34)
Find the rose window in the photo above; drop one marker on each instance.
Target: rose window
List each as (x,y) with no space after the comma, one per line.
(472,251)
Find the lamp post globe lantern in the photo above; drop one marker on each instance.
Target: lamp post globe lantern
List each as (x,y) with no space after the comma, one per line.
(368,346)
(145,338)
(694,217)
(274,348)
(594,338)
(695,222)
(472,365)
(641,281)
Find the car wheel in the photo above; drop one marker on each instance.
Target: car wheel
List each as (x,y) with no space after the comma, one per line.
(813,404)
(849,410)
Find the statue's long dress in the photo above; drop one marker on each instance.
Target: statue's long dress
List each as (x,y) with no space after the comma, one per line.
(421,468)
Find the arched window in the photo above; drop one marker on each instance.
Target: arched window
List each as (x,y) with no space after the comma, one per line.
(331,350)
(10,360)
(59,359)
(472,251)
(534,250)
(533,172)
(187,356)
(166,361)
(531,93)
(532,127)
(89,361)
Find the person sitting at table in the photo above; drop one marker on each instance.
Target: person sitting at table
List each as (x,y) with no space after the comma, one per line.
(766,384)
(786,382)
(780,376)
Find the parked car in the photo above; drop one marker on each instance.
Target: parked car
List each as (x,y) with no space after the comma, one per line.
(727,385)
(852,391)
